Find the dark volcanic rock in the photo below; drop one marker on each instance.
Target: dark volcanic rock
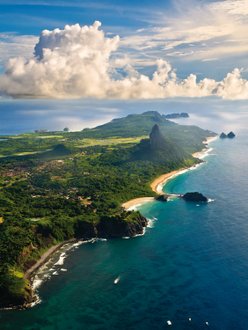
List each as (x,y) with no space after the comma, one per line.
(162,198)
(156,138)
(194,197)
(223,136)
(231,135)
(111,227)
(85,230)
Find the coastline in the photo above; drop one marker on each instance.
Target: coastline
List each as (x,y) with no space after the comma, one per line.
(44,258)
(158,184)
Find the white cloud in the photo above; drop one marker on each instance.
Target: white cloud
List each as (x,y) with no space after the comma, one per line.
(12,45)
(197,30)
(77,62)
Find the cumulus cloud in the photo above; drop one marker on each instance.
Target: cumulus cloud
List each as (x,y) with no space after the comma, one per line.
(77,62)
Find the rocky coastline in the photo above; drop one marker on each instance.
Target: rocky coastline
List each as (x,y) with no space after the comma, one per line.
(108,228)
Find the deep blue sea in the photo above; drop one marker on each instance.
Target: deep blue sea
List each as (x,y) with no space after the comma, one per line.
(190,268)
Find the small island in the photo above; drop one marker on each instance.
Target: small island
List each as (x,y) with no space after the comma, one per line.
(64,186)
(230,135)
(176,115)
(194,197)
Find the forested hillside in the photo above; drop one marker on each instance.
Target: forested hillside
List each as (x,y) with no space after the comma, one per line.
(59,185)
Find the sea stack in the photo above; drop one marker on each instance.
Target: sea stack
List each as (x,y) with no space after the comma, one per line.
(230,135)
(223,135)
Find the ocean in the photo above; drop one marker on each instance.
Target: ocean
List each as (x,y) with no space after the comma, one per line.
(189,270)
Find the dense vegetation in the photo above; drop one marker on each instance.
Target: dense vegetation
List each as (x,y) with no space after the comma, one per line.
(57,186)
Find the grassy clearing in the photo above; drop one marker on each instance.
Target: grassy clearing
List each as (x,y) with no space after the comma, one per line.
(109,141)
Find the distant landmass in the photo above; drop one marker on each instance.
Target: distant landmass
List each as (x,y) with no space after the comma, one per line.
(176,115)
(230,135)
(61,186)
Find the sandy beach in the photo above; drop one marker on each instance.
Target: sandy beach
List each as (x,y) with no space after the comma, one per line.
(133,203)
(158,184)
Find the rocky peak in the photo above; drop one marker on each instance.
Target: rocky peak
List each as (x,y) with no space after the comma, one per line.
(156,138)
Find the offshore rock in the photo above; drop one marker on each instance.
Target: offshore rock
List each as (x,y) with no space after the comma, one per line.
(223,135)
(194,197)
(231,135)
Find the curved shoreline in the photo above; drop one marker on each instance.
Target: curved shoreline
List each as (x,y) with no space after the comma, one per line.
(44,258)
(158,184)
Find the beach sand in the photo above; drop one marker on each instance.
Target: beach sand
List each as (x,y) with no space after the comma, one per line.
(158,184)
(157,187)
(133,203)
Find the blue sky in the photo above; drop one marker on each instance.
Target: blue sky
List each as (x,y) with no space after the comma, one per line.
(203,38)
(30,17)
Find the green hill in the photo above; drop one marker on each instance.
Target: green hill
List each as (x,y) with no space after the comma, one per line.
(188,137)
(71,185)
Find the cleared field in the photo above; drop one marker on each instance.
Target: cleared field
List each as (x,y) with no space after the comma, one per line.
(108,141)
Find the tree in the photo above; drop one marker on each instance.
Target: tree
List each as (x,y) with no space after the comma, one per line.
(66,129)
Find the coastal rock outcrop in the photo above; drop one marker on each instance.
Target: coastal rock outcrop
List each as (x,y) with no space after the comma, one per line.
(85,230)
(194,197)
(162,198)
(112,227)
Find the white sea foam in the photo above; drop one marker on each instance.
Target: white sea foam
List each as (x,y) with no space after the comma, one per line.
(210,200)
(151,222)
(205,153)
(36,282)
(61,260)
(36,302)
(144,231)
(125,237)
(50,268)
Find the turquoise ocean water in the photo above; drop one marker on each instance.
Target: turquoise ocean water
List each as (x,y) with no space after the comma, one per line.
(193,263)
